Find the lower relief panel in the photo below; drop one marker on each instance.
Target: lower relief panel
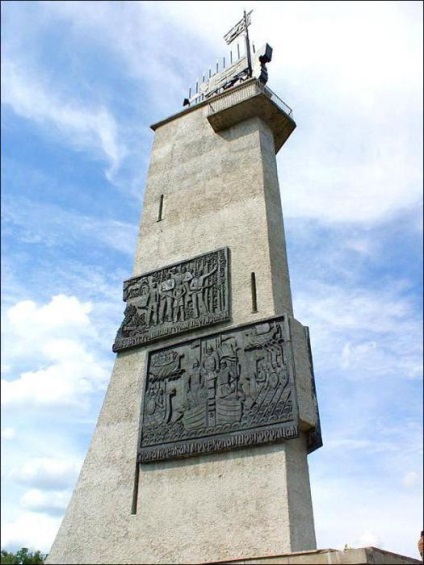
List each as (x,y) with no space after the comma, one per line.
(227,390)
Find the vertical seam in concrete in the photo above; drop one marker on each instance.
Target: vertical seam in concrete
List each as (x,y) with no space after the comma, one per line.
(254,294)
(135,490)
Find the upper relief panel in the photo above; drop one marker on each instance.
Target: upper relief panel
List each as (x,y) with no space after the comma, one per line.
(174,299)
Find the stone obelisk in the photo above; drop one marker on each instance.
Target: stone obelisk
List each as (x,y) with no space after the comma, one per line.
(200,450)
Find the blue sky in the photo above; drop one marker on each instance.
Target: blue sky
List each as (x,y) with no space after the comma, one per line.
(81,84)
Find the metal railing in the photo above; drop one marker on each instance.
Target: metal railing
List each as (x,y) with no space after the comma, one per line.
(255,85)
(276,99)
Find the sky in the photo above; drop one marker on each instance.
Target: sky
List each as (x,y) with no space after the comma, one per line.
(81,84)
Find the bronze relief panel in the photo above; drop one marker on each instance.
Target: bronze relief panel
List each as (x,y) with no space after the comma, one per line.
(174,299)
(231,389)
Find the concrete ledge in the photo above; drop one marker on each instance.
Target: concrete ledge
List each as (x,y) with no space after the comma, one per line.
(358,556)
(251,99)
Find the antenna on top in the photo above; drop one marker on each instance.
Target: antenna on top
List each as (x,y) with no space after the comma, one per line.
(238,70)
(240,27)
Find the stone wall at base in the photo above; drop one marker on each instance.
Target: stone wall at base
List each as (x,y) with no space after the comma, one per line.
(356,556)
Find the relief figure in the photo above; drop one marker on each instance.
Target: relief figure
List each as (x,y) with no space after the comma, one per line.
(197,288)
(228,399)
(184,278)
(153,306)
(165,293)
(141,303)
(178,305)
(210,365)
(196,400)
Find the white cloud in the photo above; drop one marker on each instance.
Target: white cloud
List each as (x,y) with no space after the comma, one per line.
(362,445)
(335,191)
(61,312)
(363,94)
(367,515)
(28,327)
(47,473)
(8,433)
(58,338)
(355,352)
(52,225)
(368,539)
(54,502)
(359,313)
(356,154)
(84,127)
(411,479)
(61,384)
(30,529)
(134,32)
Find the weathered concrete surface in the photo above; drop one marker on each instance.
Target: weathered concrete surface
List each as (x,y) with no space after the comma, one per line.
(219,190)
(324,556)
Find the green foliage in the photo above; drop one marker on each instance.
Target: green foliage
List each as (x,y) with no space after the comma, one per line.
(23,556)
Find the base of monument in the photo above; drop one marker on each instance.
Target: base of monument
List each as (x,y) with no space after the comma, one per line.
(346,556)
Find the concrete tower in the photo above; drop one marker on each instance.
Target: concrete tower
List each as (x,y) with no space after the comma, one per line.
(200,450)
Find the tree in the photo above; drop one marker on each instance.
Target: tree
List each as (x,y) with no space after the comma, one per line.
(22,557)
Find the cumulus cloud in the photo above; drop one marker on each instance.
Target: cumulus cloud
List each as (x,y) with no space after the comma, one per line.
(61,312)
(30,529)
(47,472)
(55,337)
(29,326)
(62,384)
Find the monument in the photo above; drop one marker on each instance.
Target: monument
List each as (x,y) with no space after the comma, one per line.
(200,450)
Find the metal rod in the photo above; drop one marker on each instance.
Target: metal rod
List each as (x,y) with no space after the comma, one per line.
(249,59)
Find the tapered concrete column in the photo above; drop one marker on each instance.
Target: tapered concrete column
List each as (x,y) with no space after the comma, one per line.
(212,184)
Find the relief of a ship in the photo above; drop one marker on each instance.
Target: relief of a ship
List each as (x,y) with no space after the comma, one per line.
(195,417)
(228,410)
(165,364)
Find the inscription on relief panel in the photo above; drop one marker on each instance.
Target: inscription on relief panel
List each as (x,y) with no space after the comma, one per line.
(174,299)
(232,389)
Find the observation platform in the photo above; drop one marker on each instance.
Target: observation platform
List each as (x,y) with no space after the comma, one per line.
(249,99)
